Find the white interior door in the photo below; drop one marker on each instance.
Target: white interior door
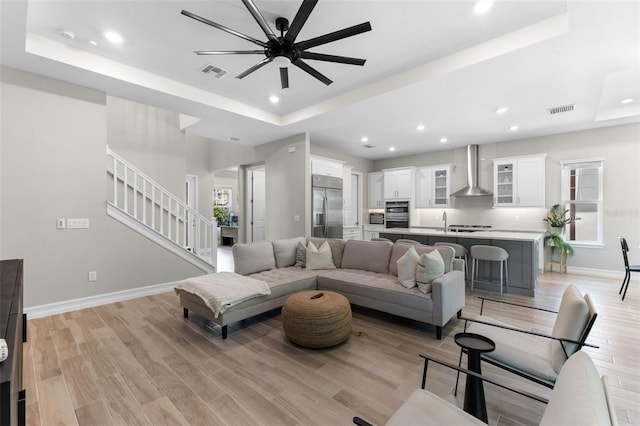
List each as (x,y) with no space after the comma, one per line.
(191,198)
(257,204)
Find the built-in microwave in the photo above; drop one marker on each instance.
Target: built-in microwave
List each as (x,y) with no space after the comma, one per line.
(376,218)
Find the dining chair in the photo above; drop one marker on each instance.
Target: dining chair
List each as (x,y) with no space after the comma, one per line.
(628,269)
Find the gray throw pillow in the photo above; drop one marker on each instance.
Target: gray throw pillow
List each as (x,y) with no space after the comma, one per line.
(301,256)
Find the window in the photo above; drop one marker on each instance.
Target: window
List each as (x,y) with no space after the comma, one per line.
(582,196)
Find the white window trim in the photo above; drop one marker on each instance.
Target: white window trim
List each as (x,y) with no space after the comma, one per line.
(599,202)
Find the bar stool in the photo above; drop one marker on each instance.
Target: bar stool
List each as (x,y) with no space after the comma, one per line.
(491,254)
(461,253)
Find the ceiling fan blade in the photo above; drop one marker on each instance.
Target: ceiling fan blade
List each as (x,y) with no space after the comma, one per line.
(301,17)
(305,67)
(229,52)
(223,28)
(259,65)
(332,58)
(284,77)
(260,19)
(334,36)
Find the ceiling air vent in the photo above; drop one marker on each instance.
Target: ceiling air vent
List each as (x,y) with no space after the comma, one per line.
(217,72)
(560,109)
(368,146)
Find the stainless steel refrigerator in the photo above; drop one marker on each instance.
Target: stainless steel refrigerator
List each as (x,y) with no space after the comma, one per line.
(327,206)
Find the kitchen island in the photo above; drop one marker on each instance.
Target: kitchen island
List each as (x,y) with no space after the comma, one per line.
(524,250)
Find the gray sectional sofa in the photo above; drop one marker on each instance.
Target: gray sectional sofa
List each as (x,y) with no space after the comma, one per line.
(366,273)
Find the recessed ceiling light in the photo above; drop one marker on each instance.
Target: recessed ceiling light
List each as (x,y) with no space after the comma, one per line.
(626,101)
(443,140)
(274,99)
(514,128)
(391,148)
(113,37)
(420,127)
(502,110)
(482,6)
(364,139)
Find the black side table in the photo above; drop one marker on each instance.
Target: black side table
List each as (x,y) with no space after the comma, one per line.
(475,346)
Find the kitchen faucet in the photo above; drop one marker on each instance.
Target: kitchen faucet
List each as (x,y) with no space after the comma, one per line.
(444,217)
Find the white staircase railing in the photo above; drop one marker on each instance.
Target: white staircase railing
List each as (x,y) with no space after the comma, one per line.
(138,200)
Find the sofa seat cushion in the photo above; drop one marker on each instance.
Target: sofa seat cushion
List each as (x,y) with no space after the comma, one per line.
(579,397)
(376,286)
(423,405)
(523,351)
(287,280)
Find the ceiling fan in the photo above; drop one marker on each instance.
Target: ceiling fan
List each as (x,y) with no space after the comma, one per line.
(285,46)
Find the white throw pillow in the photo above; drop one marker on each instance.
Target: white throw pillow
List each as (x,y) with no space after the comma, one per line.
(430,267)
(319,258)
(407,268)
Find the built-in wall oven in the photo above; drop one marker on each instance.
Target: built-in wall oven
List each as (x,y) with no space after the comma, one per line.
(396,214)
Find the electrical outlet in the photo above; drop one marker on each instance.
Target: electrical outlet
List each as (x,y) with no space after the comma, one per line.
(93,276)
(517,218)
(61,223)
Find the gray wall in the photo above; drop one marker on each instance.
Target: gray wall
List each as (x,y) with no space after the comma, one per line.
(53,140)
(618,145)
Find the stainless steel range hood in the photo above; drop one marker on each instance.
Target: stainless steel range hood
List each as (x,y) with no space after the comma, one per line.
(472,189)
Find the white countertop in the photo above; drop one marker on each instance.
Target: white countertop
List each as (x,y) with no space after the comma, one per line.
(488,235)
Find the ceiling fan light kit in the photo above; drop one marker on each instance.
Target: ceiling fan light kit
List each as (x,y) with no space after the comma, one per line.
(284,50)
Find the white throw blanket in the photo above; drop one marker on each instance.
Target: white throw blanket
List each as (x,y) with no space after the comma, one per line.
(222,290)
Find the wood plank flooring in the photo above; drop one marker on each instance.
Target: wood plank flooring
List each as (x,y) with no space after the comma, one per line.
(139,362)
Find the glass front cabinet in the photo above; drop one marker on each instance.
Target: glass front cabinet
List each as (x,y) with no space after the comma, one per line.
(519,181)
(433,186)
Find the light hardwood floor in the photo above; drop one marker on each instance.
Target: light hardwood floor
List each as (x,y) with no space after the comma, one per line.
(140,362)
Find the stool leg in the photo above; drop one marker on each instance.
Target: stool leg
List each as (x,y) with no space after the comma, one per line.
(506,276)
(501,271)
(473,272)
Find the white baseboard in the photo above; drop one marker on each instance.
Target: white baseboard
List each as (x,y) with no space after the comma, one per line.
(100,299)
(600,273)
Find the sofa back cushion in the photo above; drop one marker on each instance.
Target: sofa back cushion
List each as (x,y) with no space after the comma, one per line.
(399,249)
(571,321)
(337,247)
(249,258)
(285,251)
(579,396)
(367,255)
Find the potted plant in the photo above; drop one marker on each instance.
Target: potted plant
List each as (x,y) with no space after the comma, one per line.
(558,220)
(221,215)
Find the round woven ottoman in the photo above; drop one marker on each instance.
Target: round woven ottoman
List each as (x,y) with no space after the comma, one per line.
(317,319)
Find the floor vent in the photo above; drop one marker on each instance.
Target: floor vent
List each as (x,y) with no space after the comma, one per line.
(217,72)
(560,109)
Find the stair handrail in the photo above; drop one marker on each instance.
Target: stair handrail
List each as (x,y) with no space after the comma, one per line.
(210,224)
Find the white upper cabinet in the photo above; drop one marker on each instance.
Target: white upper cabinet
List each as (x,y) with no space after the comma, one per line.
(375,200)
(519,181)
(433,186)
(399,184)
(326,167)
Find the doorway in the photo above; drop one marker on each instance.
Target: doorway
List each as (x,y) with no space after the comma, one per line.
(256,204)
